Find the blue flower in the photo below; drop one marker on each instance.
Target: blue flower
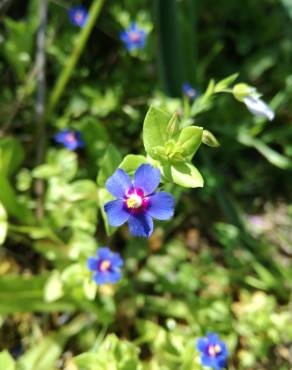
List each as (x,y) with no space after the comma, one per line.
(78,15)
(70,139)
(134,37)
(106,266)
(189,91)
(258,107)
(137,201)
(214,352)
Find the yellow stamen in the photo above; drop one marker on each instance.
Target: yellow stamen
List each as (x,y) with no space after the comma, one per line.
(134,201)
(131,203)
(104,266)
(217,348)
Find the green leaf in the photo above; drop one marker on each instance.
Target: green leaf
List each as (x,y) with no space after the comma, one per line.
(155,130)
(225,83)
(19,294)
(11,155)
(89,288)
(6,361)
(189,140)
(131,162)
(104,197)
(53,288)
(60,163)
(185,174)
(81,190)
(109,164)
(209,139)
(11,203)
(270,154)
(3,224)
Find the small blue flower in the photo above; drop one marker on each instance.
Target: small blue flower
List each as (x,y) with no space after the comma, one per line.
(134,37)
(78,15)
(189,91)
(70,139)
(106,266)
(137,201)
(214,352)
(258,107)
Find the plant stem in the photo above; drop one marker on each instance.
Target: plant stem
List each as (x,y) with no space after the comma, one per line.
(74,57)
(40,99)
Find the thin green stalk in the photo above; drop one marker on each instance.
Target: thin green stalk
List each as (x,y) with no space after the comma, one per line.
(74,57)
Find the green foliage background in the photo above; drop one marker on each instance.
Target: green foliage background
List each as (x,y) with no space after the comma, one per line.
(223,263)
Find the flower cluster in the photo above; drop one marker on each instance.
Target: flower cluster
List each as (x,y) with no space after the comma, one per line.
(214,352)
(70,139)
(78,15)
(106,266)
(134,37)
(137,201)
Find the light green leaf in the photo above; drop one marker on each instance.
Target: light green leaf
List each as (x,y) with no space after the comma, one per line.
(60,163)
(89,288)
(6,361)
(225,83)
(81,244)
(53,288)
(185,174)
(109,164)
(104,197)
(80,190)
(155,130)
(131,162)
(189,140)
(3,224)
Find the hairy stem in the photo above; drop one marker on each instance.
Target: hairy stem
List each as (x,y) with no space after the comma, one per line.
(74,57)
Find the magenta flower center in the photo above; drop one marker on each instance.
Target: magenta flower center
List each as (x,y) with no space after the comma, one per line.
(70,137)
(104,265)
(134,36)
(213,351)
(135,200)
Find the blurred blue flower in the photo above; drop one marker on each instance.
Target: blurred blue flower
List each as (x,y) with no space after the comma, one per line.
(258,107)
(137,201)
(78,15)
(189,91)
(134,37)
(106,266)
(70,139)
(214,352)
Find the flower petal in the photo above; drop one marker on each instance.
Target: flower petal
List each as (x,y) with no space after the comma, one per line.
(221,361)
(100,278)
(147,178)
(202,344)
(116,260)
(104,253)
(141,225)
(213,338)
(258,107)
(116,213)
(92,264)
(210,362)
(119,183)
(114,276)
(161,205)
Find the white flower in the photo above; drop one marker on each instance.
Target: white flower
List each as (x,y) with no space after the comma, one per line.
(258,107)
